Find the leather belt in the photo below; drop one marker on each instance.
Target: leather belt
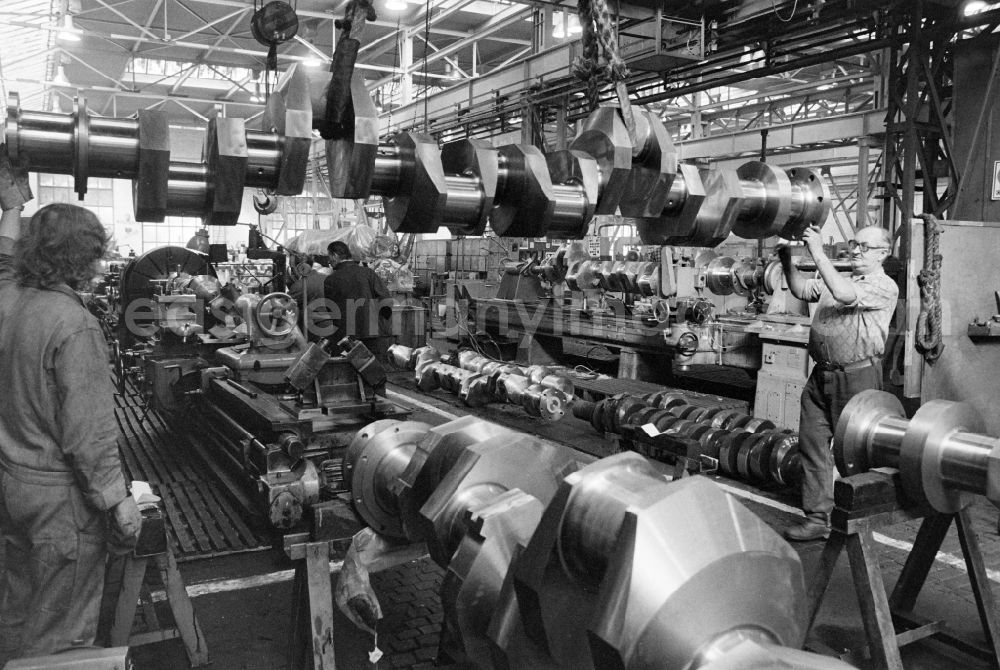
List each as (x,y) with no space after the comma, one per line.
(846,367)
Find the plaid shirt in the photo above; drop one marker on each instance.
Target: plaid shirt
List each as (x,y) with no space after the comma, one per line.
(843,334)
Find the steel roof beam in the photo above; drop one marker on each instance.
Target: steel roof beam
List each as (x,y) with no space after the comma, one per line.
(451,61)
(501,23)
(125,18)
(238,14)
(201,59)
(149,22)
(415,28)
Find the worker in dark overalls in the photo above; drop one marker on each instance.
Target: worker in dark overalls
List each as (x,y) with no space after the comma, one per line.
(63,497)
(359,299)
(308,292)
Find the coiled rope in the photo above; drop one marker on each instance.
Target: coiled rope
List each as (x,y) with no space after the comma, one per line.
(928,336)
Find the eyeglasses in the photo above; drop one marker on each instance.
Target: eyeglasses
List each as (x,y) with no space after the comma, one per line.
(864,246)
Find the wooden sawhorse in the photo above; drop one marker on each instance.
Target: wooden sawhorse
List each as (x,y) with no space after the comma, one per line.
(865,503)
(125,588)
(333,525)
(134,590)
(312,596)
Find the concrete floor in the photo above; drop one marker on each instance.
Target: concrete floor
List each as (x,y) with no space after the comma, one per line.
(243,602)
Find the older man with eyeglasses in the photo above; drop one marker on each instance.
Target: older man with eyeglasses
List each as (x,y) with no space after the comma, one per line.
(847,342)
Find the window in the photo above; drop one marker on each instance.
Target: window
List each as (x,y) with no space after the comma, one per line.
(99,199)
(174,231)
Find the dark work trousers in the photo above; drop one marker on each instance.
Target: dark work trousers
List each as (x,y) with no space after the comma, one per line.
(55,550)
(823,399)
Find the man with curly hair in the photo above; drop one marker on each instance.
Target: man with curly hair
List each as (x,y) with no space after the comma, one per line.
(63,498)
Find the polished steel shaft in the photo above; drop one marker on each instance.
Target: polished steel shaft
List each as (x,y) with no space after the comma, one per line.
(941,453)
(49,139)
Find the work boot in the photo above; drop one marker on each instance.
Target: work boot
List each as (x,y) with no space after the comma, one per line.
(813,527)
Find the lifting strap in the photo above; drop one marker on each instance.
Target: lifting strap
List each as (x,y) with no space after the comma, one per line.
(338,117)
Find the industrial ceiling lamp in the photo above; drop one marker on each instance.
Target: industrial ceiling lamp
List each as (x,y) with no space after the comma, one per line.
(68,32)
(199,241)
(395,5)
(60,78)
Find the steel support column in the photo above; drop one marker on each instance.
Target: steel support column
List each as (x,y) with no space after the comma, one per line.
(918,147)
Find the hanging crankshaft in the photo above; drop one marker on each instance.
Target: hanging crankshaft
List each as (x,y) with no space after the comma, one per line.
(233,157)
(523,193)
(942,454)
(556,560)
(516,189)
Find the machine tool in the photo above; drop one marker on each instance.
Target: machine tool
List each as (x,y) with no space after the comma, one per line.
(705,308)
(237,362)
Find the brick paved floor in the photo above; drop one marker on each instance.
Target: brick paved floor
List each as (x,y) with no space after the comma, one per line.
(411,612)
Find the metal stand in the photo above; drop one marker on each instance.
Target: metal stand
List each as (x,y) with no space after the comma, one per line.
(865,503)
(133,590)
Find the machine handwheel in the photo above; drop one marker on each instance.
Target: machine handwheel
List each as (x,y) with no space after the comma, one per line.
(276,314)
